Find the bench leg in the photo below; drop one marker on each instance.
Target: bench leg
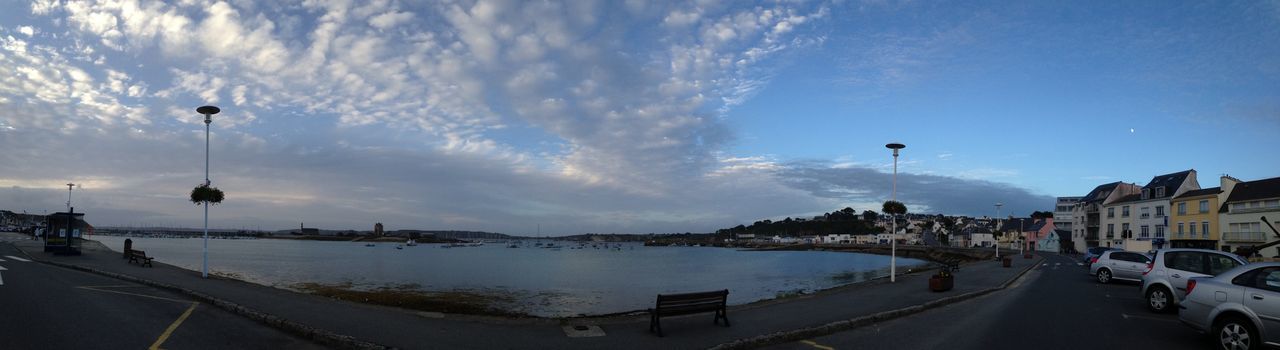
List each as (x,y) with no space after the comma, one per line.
(722,314)
(148,263)
(655,323)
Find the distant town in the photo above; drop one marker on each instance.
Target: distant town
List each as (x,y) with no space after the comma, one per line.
(1171,210)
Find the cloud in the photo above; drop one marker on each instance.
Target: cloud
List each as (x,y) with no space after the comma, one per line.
(484,115)
(923,193)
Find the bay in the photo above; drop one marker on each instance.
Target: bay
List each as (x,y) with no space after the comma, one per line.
(536,281)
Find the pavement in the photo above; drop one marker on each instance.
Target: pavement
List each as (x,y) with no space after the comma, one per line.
(48,307)
(339,323)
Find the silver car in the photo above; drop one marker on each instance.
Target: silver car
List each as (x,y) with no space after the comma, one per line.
(1121,265)
(1165,281)
(1240,308)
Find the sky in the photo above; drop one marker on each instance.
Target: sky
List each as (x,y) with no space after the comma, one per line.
(620,116)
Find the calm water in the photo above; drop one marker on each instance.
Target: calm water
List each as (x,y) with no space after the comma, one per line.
(543,282)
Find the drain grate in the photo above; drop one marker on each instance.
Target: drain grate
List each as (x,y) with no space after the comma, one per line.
(582,331)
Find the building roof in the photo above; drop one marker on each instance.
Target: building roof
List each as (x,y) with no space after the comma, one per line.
(1170,182)
(1128,198)
(1016,224)
(1097,193)
(1253,190)
(1201,192)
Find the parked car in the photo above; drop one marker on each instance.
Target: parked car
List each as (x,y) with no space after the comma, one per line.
(1117,264)
(1165,281)
(1094,252)
(1240,308)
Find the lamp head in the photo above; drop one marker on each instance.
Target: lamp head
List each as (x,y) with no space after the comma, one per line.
(895,147)
(208,112)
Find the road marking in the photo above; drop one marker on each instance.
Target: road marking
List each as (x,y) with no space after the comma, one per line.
(17,258)
(1079,264)
(168,331)
(98,289)
(1128,316)
(816,345)
(2,276)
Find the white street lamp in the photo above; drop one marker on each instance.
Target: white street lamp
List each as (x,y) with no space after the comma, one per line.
(995,242)
(208,112)
(893,237)
(69,186)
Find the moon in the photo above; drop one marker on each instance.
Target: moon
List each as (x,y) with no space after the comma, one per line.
(1130,130)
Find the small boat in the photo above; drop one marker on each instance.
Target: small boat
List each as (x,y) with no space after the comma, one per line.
(411,243)
(513,246)
(370,245)
(399,247)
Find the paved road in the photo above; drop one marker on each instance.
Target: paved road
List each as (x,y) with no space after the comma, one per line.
(47,307)
(1055,306)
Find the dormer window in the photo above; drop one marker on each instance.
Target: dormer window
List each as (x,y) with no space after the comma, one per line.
(1159,191)
(1146,193)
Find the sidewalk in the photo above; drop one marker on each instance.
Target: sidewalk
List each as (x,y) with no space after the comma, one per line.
(315,317)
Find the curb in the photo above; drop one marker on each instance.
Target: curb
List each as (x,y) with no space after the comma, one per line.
(844,325)
(321,336)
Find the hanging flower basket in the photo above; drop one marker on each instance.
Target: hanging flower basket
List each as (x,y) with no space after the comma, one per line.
(204,193)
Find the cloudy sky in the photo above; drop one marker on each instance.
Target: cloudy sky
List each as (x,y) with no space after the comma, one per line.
(619,116)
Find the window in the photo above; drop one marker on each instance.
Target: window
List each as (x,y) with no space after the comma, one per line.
(1268,278)
(1124,212)
(1182,208)
(1146,193)
(1159,191)
(1205,229)
(1179,229)
(1159,211)
(1111,212)
(1159,231)
(1204,206)
(1146,212)
(1254,205)
(1145,232)
(1124,230)
(1219,263)
(1272,203)
(1237,206)
(1111,230)
(1185,261)
(1193,229)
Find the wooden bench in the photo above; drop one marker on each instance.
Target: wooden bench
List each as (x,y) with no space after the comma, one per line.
(686,304)
(139,257)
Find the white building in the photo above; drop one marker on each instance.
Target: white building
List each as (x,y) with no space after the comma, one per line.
(1062,212)
(1240,218)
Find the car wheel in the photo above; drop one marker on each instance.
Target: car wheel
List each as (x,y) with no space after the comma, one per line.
(1235,333)
(1159,299)
(1104,276)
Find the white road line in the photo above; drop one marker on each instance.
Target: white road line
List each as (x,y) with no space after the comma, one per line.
(17,258)
(1,276)
(1079,264)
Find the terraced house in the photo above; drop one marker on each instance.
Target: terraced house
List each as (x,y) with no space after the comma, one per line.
(1241,216)
(1152,221)
(1086,231)
(1194,217)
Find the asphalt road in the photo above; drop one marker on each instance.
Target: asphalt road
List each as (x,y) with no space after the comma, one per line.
(1055,306)
(47,307)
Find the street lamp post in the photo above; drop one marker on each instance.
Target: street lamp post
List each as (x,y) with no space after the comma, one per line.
(893,237)
(995,242)
(208,112)
(69,186)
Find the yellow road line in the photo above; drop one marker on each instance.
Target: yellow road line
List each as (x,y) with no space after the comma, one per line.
(96,289)
(813,344)
(169,331)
